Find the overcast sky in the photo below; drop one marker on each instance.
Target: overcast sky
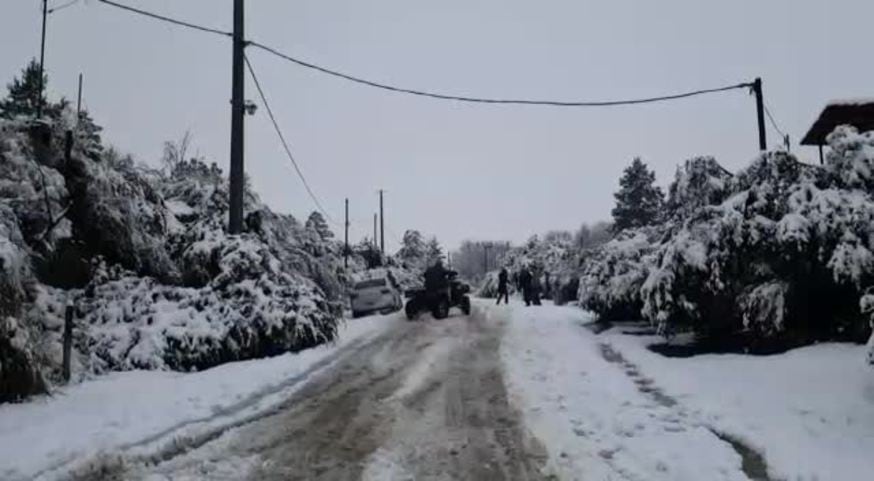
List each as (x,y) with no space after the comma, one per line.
(457,171)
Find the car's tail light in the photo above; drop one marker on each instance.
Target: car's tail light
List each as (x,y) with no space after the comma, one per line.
(385,291)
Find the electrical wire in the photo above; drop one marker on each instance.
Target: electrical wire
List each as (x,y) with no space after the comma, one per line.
(424,93)
(285,143)
(772,121)
(166,19)
(458,98)
(63,6)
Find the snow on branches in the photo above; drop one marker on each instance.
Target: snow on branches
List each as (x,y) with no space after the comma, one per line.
(781,250)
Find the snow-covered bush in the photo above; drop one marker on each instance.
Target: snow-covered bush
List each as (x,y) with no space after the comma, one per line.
(613,274)
(144,255)
(777,255)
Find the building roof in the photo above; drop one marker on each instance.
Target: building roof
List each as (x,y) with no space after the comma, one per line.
(856,112)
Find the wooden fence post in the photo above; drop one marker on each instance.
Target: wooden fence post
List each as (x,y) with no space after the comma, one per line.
(68,339)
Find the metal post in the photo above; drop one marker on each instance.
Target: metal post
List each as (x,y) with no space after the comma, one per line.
(346,239)
(821,160)
(42,58)
(68,339)
(381,225)
(235,219)
(760,112)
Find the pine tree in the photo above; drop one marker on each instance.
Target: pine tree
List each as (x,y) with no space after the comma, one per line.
(412,251)
(433,251)
(638,201)
(316,222)
(23,93)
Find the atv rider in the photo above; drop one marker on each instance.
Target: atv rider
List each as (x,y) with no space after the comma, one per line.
(436,278)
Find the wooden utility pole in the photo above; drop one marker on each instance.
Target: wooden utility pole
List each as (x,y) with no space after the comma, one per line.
(42,58)
(235,214)
(381,225)
(760,112)
(486,247)
(79,101)
(346,238)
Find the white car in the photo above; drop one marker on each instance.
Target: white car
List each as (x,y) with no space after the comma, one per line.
(379,294)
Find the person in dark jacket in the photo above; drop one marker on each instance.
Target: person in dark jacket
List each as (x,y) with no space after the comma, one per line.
(535,289)
(525,285)
(436,277)
(503,288)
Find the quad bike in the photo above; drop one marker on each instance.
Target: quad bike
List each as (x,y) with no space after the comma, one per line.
(438,301)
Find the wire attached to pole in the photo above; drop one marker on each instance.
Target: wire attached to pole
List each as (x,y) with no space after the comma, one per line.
(424,93)
(285,143)
(458,98)
(167,19)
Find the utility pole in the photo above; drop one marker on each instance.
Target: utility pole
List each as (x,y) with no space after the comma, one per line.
(375,245)
(486,247)
(760,112)
(235,215)
(381,225)
(346,238)
(79,101)
(42,58)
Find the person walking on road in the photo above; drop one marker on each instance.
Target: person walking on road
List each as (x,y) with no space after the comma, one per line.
(525,284)
(503,288)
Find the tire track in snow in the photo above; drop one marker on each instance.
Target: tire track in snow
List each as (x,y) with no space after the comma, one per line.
(753,462)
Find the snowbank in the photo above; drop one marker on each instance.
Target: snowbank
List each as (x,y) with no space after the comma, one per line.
(142,411)
(809,411)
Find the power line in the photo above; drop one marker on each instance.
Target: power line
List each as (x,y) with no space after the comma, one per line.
(773,122)
(167,19)
(285,143)
(551,103)
(63,6)
(423,93)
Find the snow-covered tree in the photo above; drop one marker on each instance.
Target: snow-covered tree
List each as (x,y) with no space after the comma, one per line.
(412,251)
(24,93)
(316,222)
(638,200)
(433,251)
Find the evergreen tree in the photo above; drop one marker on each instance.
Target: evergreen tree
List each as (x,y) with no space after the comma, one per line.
(24,92)
(412,251)
(433,251)
(316,222)
(639,200)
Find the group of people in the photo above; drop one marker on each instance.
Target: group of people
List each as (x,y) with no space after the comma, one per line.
(526,282)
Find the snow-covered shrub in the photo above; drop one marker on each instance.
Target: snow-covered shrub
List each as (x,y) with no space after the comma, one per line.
(250,309)
(783,257)
(613,274)
(699,182)
(173,290)
(19,372)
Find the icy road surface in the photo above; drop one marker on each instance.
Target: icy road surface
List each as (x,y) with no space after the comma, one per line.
(425,400)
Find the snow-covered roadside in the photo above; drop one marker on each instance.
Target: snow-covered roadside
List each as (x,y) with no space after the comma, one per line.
(809,411)
(141,411)
(592,418)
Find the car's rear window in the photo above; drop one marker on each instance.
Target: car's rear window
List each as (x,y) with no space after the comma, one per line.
(370,283)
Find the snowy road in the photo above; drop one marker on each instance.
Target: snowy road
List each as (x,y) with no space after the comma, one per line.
(425,400)
(507,393)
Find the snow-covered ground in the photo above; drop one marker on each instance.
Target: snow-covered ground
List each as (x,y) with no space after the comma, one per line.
(147,411)
(599,406)
(608,408)
(594,420)
(810,411)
